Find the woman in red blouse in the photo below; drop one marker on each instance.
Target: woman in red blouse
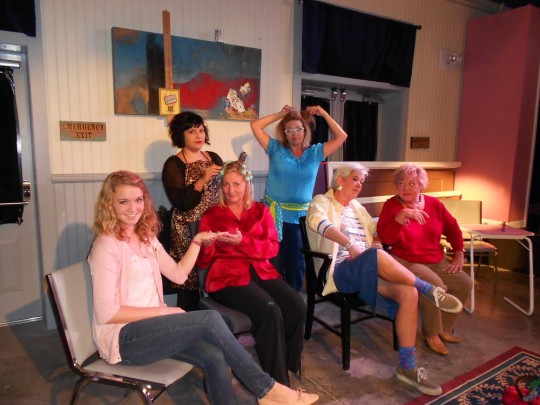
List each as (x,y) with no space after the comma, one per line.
(412,224)
(241,275)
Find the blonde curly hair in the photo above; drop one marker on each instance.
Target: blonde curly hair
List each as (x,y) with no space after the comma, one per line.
(105,220)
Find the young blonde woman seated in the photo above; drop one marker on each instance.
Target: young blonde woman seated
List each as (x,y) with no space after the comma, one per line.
(132,325)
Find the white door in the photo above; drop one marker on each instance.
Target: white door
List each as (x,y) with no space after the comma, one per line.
(20,278)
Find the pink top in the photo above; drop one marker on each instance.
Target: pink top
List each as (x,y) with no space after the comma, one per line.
(419,243)
(110,264)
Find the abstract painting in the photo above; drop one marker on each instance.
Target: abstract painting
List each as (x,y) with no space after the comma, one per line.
(216,80)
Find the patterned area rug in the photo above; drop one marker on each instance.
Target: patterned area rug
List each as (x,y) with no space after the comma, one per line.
(486,383)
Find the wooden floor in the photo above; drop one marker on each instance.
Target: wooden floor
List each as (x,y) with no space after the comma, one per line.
(33,368)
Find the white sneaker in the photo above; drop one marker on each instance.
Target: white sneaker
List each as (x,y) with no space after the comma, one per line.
(444,301)
(417,377)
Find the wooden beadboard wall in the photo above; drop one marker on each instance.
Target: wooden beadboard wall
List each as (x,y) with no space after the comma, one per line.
(78,63)
(76,36)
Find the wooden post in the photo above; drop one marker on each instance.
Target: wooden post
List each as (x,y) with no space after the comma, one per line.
(167,52)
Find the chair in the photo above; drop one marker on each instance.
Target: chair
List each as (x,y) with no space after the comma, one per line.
(238,322)
(346,302)
(470,212)
(70,294)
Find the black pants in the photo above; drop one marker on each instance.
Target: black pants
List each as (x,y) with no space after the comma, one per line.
(278,315)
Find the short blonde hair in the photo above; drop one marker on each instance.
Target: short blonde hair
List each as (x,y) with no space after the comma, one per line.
(345,171)
(412,170)
(242,170)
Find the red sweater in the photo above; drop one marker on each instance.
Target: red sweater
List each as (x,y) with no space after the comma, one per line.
(419,243)
(229,264)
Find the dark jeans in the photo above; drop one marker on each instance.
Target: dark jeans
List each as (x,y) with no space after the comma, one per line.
(290,259)
(200,338)
(278,315)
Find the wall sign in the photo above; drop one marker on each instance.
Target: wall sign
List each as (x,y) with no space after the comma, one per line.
(83,131)
(420,142)
(169,101)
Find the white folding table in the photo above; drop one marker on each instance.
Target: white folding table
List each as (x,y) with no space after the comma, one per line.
(486,231)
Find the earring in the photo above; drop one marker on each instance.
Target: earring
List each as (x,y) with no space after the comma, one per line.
(339,188)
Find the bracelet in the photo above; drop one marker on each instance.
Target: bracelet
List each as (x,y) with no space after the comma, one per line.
(195,242)
(349,244)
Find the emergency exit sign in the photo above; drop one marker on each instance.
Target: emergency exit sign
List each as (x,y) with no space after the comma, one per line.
(83,131)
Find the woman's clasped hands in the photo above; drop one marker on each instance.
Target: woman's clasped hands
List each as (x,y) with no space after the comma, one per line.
(232,238)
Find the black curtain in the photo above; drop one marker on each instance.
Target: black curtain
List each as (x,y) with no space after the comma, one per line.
(18,16)
(320,135)
(10,166)
(360,123)
(341,42)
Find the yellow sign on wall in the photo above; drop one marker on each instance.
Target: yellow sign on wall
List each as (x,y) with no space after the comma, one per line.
(169,101)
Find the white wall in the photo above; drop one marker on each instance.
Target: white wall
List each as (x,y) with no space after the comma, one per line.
(78,63)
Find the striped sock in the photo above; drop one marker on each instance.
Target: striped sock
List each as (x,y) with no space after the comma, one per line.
(407,358)
(422,286)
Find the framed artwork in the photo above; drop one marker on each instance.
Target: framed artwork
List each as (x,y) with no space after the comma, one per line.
(215,80)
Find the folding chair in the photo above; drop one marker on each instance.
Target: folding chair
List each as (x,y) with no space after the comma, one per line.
(238,322)
(70,293)
(470,212)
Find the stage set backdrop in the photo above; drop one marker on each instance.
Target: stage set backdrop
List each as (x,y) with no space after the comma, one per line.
(216,80)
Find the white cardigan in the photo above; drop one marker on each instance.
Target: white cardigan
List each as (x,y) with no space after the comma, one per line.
(323,211)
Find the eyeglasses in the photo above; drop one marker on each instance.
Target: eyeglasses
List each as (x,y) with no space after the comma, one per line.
(290,131)
(410,184)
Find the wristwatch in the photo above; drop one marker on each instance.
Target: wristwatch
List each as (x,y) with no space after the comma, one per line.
(349,244)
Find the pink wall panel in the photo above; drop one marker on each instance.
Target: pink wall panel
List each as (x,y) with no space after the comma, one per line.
(498,111)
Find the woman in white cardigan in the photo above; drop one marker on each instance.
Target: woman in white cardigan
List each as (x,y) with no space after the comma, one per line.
(338,224)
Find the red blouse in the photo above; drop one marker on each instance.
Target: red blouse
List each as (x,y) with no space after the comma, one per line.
(228,264)
(419,243)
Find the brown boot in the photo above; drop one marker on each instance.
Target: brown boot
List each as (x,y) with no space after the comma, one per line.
(448,337)
(435,343)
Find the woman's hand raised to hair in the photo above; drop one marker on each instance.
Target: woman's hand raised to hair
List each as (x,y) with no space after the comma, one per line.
(316,110)
(287,108)
(210,172)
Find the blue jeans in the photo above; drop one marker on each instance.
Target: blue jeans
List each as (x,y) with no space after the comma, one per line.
(200,338)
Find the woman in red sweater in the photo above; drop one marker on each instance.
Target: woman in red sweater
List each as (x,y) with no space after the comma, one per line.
(240,275)
(412,225)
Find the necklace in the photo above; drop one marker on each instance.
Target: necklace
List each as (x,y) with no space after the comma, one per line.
(185,159)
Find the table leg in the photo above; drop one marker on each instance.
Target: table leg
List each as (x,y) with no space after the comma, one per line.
(531,283)
(470,310)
